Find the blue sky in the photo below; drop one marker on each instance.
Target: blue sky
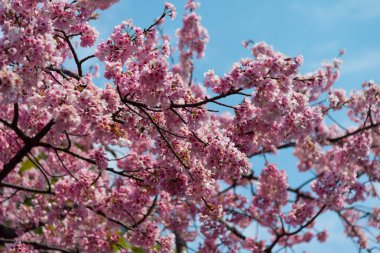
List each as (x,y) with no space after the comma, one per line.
(315,29)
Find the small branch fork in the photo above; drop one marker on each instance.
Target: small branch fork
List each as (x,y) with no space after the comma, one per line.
(287,234)
(29,143)
(78,62)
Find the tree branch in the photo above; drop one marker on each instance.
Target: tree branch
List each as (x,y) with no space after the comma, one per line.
(37,245)
(30,143)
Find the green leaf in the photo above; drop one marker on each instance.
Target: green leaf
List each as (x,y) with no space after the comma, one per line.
(137,250)
(115,248)
(28,164)
(38,230)
(123,244)
(81,147)
(25,165)
(156,247)
(54,180)
(28,201)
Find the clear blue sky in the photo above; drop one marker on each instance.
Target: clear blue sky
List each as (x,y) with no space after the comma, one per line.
(315,29)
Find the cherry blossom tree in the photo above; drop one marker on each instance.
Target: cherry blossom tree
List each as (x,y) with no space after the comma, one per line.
(144,164)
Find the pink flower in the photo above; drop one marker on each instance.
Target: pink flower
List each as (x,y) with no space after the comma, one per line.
(171,10)
(342,52)
(322,236)
(272,187)
(100,158)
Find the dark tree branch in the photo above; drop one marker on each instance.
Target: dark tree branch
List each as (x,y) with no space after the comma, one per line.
(99,212)
(297,190)
(64,72)
(67,151)
(150,210)
(359,130)
(37,245)
(66,38)
(233,230)
(32,142)
(330,140)
(86,58)
(180,243)
(7,232)
(207,100)
(26,189)
(15,115)
(167,142)
(279,236)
